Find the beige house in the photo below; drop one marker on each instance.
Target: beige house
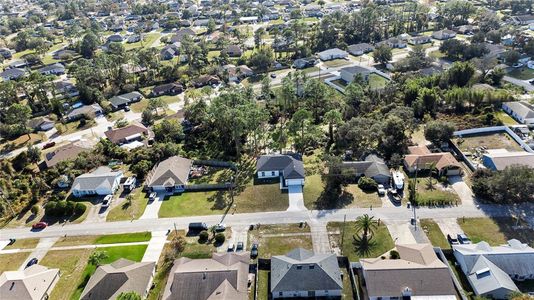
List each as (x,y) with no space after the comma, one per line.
(33,283)
(421,158)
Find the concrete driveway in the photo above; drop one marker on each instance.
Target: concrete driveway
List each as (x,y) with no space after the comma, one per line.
(40,251)
(463,190)
(155,246)
(400,232)
(152,208)
(449,226)
(296,198)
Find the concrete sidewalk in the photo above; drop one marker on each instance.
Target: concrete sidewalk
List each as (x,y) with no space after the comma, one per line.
(155,246)
(40,251)
(152,208)
(77,247)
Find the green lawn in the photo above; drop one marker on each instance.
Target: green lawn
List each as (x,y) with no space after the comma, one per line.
(437,54)
(434,234)
(280,239)
(262,286)
(523,73)
(134,253)
(377,82)
(505,118)
(313,188)
(436,196)
(143,104)
(12,261)
(336,63)
(261,197)
(149,38)
(363,198)
(189,204)
(23,244)
(310,70)
(352,196)
(124,238)
(496,231)
(381,238)
(127,211)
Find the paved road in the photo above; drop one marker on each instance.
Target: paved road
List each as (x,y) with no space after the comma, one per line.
(278,217)
(522,83)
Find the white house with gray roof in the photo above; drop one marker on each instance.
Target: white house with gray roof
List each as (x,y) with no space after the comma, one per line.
(170,175)
(102,181)
(287,168)
(303,274)
(520,110)
(490,281)
(331,54)
(125,99)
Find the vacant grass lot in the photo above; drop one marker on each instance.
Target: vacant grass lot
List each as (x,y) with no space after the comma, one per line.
(495,231)
(127,211)
(23,244)
(434,234)
(381,238)
(436,196)
(280,239)
(523,73)
(363,198)
(377,82)
(336,63)
(148,39)
(188,204)
(490,141)
(138,107)
(12,261)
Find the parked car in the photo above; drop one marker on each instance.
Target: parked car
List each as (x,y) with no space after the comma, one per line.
(219,227)
(49,145)
(517,65)
(273,75)
(152,197)
(239,247)
(381,190)
(12,241)
(231,247)
(40,225)
(452,241)
(197,226)
(463,239)
(107,201)
(126,108)
(531,82)
(32,262)
(254,251)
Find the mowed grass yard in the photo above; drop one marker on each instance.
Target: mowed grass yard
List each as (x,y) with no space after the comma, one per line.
(434,234)
(23,244)
(279,239)
(505,118)
(437,196)
(104,239)
(377,82)
(126,211)
(523,73)
(495,231)
(140,106)
(12,261)
(381,238)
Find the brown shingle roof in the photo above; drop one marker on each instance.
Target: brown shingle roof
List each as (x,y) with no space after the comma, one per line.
(67,152)
(118,135)
(170,172)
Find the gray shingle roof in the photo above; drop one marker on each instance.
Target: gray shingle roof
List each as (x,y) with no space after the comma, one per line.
(522,109)
(101,177)
(170,172)
(372,166)
(485,277)
(125,98)
(290,167)
(301,270)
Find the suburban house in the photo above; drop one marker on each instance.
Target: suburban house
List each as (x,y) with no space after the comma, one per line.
(520,110)
(123,275)
(52,69)
(170,175)
(485,266)
(523,19)
(360,49)
(302,63)
(87,111)
(6,53)
(467,29)
(419,40)
(63,54)
(235,74)
(499,159)
(41,124)
(123,100)
(133,132)
(233,51)
(206,80)
(348,74)
(65,152)
(169,52)
(421,158)
(115,38)
(181,34)
(66,89)
(102,181)
(302,274)
(372,166)
(12,74)
(288,169)
(331,54)
(444,34)
(394,43)
(222,277)
(167,89)
(419,273)
(33,283)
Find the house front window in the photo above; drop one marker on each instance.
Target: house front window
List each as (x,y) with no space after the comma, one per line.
(262,173)
(272,173)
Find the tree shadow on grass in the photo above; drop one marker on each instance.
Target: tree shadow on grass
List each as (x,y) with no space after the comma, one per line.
(328,200)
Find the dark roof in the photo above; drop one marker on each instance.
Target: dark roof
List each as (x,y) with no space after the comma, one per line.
(301,270)
(124,98)
(166,87)
(170,172)
(372,166)
(119,134)
(14,72)
(63,153)
(289,166)
(360,47)
(178,37)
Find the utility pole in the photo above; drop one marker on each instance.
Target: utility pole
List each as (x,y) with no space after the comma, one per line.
(343,233)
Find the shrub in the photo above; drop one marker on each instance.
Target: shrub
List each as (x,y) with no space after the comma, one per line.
(367,184)
(61,208)
(393,254)
(69,209)
(79,209)
(203,236)
(35,209)
(50,208)
(219,238)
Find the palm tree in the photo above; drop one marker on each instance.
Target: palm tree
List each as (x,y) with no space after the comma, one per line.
(430,181)
(366,224)
(363,245)
(97,257)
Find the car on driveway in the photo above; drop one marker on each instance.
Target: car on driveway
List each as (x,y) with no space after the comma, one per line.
(152,196)
(452,241)
(381,190)
(254,251)
(273,75)
(107,201)
(32,262)
(463,239)
(40,225)
(239,247)
(219,227)
(231,247)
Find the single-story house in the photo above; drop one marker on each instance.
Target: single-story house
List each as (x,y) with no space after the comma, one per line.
(499,159)
(12,74)
(33,283)
(331,54)
(523,19)
(418,273)
(372,166)
(123,100)
(520,110)
(222,277)
(421,158)
(249,20)
(206,80)
(102,181)
(115,38)
(465,29)
(134,38)
(63,53)
(233,51)
(41,124)
(235,74)
(66,89)
(394,43)
(123,275)
(302,274)
(89,111)
(444,34)
(181,34)
(66,152)
(52,69)
(302,63)
(288,169)
(419,40)
(133,132)
(173,88)
(348,74)
(360,49)
(485,266)
(170,175)
(6,53)
(169,52)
